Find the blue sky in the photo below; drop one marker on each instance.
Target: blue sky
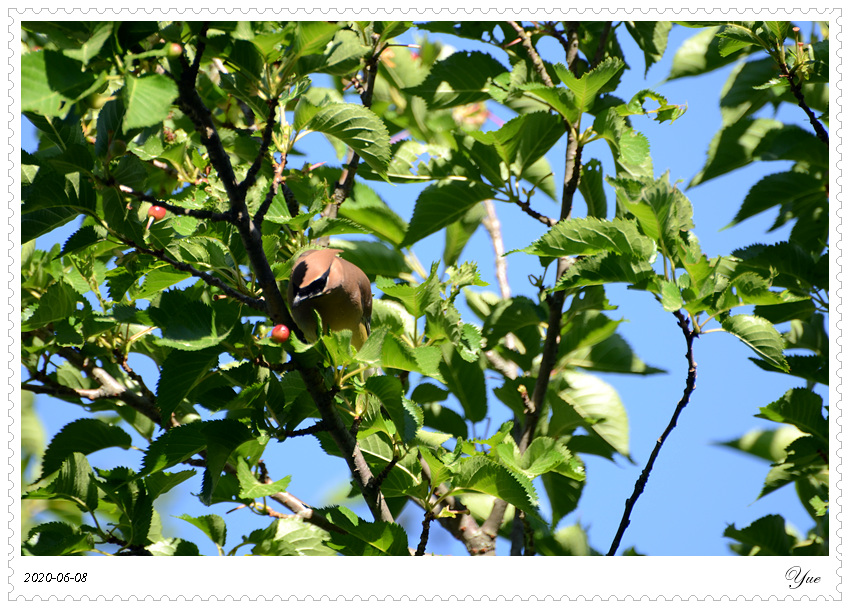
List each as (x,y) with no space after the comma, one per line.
(696,488)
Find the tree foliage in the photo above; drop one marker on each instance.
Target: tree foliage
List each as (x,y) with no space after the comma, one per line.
(206,119)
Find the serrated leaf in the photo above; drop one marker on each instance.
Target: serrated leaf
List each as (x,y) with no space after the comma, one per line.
(83,436)
(767,536)
(50,78)
(57,303)
(57,539)
(359,128)
(461,78)
(172,447)
(251,488)
(485,476)
(466,381)
(366,208)
(605,268)
(597,406)
(147,100)
(212,525)
(181,372)
(290,537)
(442,204)
(191,325)
(365,538)
(590,83)
(760,336)
(588,236)
(802,408)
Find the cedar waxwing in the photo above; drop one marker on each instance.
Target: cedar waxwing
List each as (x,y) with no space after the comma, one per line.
(336,289)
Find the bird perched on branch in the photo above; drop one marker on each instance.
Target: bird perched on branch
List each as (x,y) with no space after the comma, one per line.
(336,289)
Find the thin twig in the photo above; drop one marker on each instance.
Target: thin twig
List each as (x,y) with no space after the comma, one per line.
(462,526)
(254,169)
(211,280)
(201,214)
(797,91)
(538,64)
(690,335)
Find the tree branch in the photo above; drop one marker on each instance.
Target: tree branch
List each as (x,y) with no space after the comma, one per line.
(254,169)
(342,189)
(211,280)
(690,335)
(423,538)
(538,64)
(201,214)
(462,526)
(797,91)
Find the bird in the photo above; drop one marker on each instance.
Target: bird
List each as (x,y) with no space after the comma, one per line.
(338,290)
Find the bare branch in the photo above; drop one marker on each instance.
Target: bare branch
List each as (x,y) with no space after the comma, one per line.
(690,335)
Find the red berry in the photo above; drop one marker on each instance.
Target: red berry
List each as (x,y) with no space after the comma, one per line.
(174,50)
(280,333)
(156,212)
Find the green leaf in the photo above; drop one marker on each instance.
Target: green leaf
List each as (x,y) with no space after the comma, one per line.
(760,336)
(700,54)
(251,488)
(57,539)
(524,139)
(147,100)
(57,303)
(461,78)
(594,404)
(49,79)
(389,391)
(767,444)
(510,315)
(802,408)
(442,204)
(651,37)
(212,525)
(181,372)
(222,437)
(416,299)
(734,146)
(590,83)
(343,55)
(465,380)
(592,189)
(174,446)
(485,476)
(363,538)
(290,537)
(605,268)
(564,494)
(366,208)
(76,482)
(767,536)
(173,547)
(790,191)
(460,232)
(662,210)
(359,128)
(588,236)
(83,436)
